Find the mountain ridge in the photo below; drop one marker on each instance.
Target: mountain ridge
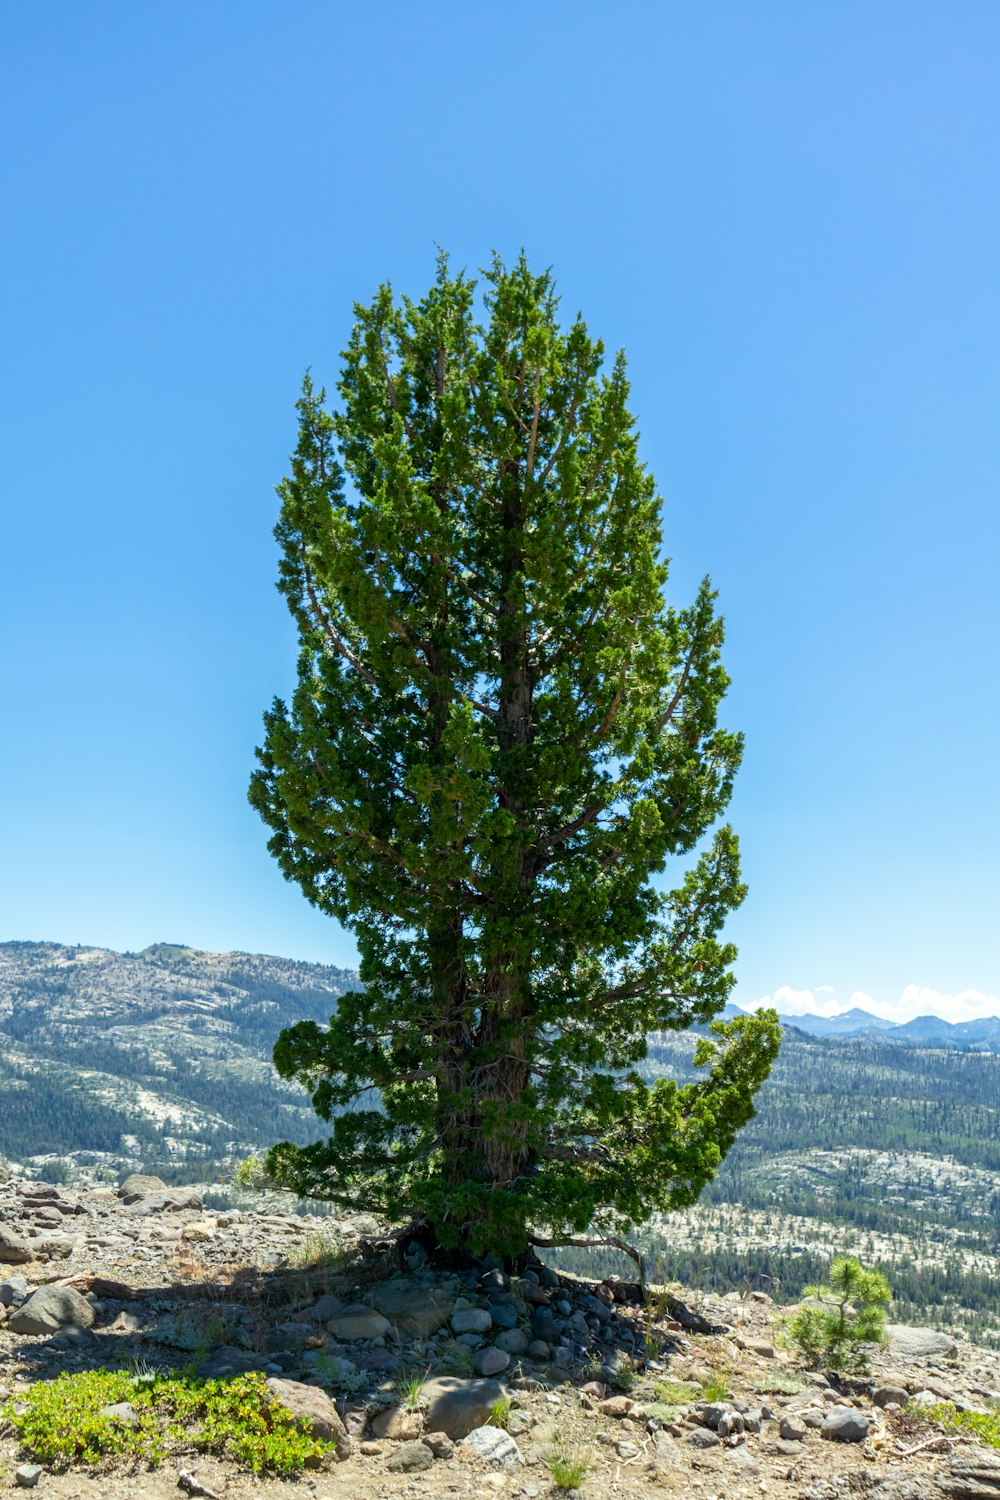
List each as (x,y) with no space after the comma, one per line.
(923,1031)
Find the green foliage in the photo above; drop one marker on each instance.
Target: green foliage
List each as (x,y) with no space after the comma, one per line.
(334,1375)
(500,735)
(500,1413)
(411,1390)
(778,1385)
(61,1422)
(849,1314)
(567,1465)
(456,1359)
(985,1425)
(676,1392)
(716,1387)
(317,1252)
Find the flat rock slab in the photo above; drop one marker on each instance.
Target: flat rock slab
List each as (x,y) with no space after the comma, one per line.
(972,1476)
(49,1309)
(456,1406)
(919,1343)
(176,1201)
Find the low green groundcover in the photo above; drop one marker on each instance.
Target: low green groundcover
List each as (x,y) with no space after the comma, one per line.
(65,1421)
(985,1425)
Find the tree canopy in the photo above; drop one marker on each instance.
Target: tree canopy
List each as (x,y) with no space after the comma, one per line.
(501,733)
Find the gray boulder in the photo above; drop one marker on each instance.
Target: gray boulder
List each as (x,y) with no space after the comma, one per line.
(175,1201)
(311,1405)
(471,1320)
(13,1291)
(355,1324)
(845,1424)
(490,1361)
(513,1341)
(409,1458)
(139,1185)
(972,1476)
(14,1249)
(494,1446)
(886,1395)
(456,1406)
(49,1309)
(919,1343)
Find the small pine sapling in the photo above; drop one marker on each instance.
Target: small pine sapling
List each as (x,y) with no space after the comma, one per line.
(847,1314)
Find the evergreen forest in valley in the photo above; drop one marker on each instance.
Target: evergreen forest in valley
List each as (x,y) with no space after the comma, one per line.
(162,1059)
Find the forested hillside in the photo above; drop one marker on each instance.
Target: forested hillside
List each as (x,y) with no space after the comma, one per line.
(162,1059)
(161,1056)
(865,1145)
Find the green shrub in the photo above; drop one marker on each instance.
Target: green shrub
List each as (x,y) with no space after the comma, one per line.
(985,1425)
(676,1392)
(64,1421)
(847,1314)
(499,1413)
(568,1466)
(716,1388)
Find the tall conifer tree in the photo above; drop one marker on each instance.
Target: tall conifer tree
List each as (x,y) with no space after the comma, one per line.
(501,733)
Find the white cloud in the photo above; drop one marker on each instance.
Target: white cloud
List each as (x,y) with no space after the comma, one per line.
(915,1000)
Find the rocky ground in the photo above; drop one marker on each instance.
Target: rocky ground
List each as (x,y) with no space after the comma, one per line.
(407,1366)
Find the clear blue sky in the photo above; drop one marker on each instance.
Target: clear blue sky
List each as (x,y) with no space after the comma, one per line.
(789,215)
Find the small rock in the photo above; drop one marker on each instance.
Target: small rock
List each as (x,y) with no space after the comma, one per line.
(439,1443)
(14,1249)
(792,1429)
(844,1424)
(712,1412)
(397,1422)
(174,1201)
(410,1458)
(617,1406)
(490,1361)
(356,1326)
(121,1411)
(494,1446)
(227,1361)
(702,1437)
(14,1291)
(763,1348)
(471,1320)
(512,1341)
(504,1315)
(28,1475)
(886,1395)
